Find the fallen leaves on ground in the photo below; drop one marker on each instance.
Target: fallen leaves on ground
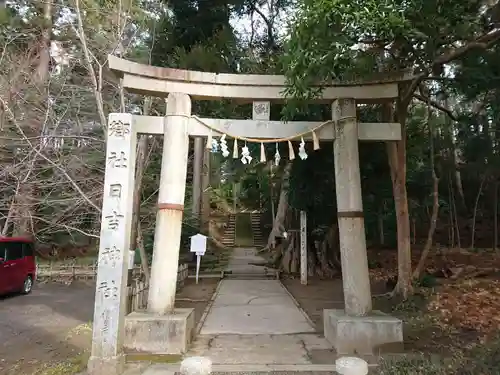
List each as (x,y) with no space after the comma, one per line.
(472,305)
(466,303)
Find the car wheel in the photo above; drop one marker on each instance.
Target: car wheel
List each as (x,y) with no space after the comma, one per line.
(28,285)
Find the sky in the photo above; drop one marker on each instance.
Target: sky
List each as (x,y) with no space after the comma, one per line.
(243,25)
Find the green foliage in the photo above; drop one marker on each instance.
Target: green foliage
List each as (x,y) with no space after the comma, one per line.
(414,366)
(483,359)
(427,281)
(343,39)
(329,40)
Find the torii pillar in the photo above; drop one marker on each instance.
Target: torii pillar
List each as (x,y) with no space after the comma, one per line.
(356,329)
(163,328)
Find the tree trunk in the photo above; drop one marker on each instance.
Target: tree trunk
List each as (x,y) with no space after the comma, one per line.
(474,214)
(381,227)
(450,129)
(455,219)
(435,203)
(397,162)
(136,239)
(452,220)
(495,216)
(26,193)
(279,220)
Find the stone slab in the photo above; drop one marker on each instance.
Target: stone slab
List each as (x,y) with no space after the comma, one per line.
(362,335)
(159,334)
(254,369)
(246,260)
(251,349)
(252,307)
(277,319)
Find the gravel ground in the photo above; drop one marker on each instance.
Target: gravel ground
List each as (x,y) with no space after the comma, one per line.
(39,329)
(51,325)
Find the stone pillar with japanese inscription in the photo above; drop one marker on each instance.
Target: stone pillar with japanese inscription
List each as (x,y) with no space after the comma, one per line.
(116,219)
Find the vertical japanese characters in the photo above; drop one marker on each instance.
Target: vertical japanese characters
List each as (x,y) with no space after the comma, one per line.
(114,237)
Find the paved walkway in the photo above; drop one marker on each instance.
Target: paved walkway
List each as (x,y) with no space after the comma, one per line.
(255,326)
(253,307)
(255,321)
(246,261)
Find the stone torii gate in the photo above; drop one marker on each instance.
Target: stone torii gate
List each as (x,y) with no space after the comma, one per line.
(162,329)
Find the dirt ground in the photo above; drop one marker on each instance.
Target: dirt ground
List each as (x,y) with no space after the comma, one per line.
(452,314)
(42,328)
(318,295)
(196,296)
(49,330)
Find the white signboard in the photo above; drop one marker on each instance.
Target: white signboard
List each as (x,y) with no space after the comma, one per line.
(198,244)
(199,247)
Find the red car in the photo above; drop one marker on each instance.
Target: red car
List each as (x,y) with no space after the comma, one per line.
(17,265)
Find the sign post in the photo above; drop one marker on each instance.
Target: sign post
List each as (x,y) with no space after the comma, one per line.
(199,247)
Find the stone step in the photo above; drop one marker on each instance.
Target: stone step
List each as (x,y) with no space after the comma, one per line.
(250,277)
(254,369)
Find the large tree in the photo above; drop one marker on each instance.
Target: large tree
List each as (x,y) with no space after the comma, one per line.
(347,39)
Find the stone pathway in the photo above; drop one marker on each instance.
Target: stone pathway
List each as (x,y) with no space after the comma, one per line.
(255,326)
(255,321)
(246,261)
(253,307)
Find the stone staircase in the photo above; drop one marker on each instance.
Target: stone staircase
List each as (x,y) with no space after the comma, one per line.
(228,238)
(258,239)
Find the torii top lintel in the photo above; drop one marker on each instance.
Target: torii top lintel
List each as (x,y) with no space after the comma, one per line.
(158,81)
